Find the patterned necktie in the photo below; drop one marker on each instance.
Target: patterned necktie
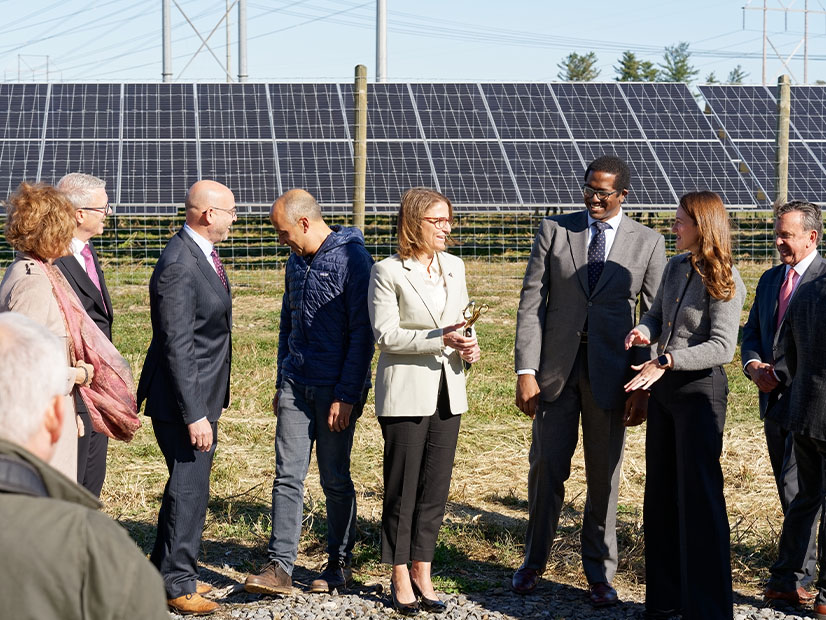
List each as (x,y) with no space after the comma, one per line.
(92,271)
(596,254)
(219,267)
(785,296)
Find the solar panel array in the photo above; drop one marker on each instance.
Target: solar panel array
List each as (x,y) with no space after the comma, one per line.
(489,147)
(746,117)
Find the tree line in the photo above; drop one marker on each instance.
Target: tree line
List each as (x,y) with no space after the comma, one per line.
(675,67)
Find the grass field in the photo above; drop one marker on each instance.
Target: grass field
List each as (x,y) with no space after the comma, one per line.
(481,541)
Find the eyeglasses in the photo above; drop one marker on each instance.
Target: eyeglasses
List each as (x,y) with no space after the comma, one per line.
(589,191)
(233,212)
(104,210)
(439,222)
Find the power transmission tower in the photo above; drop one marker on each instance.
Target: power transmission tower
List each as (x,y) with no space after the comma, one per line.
(786,7)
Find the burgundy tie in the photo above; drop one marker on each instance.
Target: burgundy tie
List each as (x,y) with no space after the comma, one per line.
(92,271)
(785,295)
(219,267)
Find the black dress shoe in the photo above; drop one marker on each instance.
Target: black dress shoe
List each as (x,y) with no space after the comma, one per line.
(405,609)
(602,594)
(524,580)
(433,606)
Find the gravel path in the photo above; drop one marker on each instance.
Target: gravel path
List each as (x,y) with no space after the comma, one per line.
(371,602)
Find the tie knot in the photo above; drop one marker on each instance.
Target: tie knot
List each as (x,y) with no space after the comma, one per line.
(600,226)
(792,275)
(86,251)
(214,253)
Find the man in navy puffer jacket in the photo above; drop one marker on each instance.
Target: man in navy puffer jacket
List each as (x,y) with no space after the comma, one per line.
(325,346)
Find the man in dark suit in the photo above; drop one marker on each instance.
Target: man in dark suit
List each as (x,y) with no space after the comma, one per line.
(803,414)
(82,269)
(797,228)
(584,276)
(185,382)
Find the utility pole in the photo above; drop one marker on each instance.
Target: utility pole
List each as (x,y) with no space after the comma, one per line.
(166,71)
(242,40)
(229,43)
(381,41)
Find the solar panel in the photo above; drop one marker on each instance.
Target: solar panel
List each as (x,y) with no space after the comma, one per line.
(155,172)
(159,111)
(22,112)
(473,173)
(87,111)
(248,168)
(18,162)
(808,111)
(804,173)
(743,112)
(452,111)
(525,112)
(391,114)
(668,112)
(233,112)
(394,167)
(325,169)
(547,173)
(596,111)
(308,112)
(99,158)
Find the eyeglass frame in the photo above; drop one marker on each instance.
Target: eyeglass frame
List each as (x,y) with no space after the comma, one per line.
(106,210)
(233,212)
(439,222)
(589,192)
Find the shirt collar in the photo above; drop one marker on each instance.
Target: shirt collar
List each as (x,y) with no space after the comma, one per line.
(77,245)
(803,265)
(614,222)
(203,243)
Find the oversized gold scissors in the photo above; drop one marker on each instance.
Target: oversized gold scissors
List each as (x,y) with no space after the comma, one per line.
(472,312)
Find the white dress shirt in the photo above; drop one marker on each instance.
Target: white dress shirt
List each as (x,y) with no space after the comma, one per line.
(203,243)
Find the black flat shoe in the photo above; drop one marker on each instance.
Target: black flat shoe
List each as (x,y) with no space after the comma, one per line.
(405,609)
(434,606)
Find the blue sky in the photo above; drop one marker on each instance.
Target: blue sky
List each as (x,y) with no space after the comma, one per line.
(314,40)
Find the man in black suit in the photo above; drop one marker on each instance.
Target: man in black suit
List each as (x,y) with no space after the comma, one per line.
(803,414)
(82,269)
(798,228)
(185,382)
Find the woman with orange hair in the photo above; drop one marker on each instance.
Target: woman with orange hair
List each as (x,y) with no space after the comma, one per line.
(40,222)
(694,321)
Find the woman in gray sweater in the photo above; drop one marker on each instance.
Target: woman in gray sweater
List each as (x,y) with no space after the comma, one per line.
(694,321)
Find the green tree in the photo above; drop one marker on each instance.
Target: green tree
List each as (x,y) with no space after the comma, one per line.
(578,67)
(632,69)
(737,75)
(711,78)
(676,66)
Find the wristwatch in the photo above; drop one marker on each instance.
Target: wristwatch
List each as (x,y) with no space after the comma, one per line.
(662,361)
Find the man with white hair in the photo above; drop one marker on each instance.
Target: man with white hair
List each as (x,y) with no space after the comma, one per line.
(88,195)
(61,557)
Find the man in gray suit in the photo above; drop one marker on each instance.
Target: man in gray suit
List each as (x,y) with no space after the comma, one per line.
(797,228)
(802,412)
(584,276)
(185,382)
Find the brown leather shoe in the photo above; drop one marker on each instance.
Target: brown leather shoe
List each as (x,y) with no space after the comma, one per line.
(524,580)
(793,597)
(192,605)
(337,576)
(602,594)
(272,580)
(202,588)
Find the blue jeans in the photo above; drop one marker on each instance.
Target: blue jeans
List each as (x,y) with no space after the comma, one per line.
(302,420)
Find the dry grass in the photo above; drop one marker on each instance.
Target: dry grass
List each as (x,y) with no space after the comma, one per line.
(480,543)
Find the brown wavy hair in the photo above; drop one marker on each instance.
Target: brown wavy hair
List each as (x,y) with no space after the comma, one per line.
(712,259)
(40,220)
(414,203)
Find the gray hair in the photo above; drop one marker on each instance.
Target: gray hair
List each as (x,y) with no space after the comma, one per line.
(33,372)
(78,187)
(299,203)
(812,218)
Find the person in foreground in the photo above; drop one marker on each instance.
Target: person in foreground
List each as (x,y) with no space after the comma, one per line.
(585,275)
(694,321)
(62,558)
(325,346)
(39,226)
(185,383)
(83,272)
(797,230)
(415,300)
(802,412)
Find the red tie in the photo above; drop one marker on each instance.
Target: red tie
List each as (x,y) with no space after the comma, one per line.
(92,271)
(219,268)
(785,295)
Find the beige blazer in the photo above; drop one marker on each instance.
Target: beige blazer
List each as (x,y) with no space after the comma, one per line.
(409,337)
(26,289)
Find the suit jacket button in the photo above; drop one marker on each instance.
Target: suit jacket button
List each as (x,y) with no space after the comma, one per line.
(590,303)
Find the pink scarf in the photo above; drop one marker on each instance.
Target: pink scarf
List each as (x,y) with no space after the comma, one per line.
(110,398)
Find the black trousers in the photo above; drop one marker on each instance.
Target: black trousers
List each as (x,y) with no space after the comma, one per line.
(183,508)
(91,455)
(418,464)
(687,563)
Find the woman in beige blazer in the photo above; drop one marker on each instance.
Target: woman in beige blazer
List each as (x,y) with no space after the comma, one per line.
(416,299)
(40,222)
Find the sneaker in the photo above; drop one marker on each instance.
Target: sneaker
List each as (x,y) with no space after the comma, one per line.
(272,580)
(336,576)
